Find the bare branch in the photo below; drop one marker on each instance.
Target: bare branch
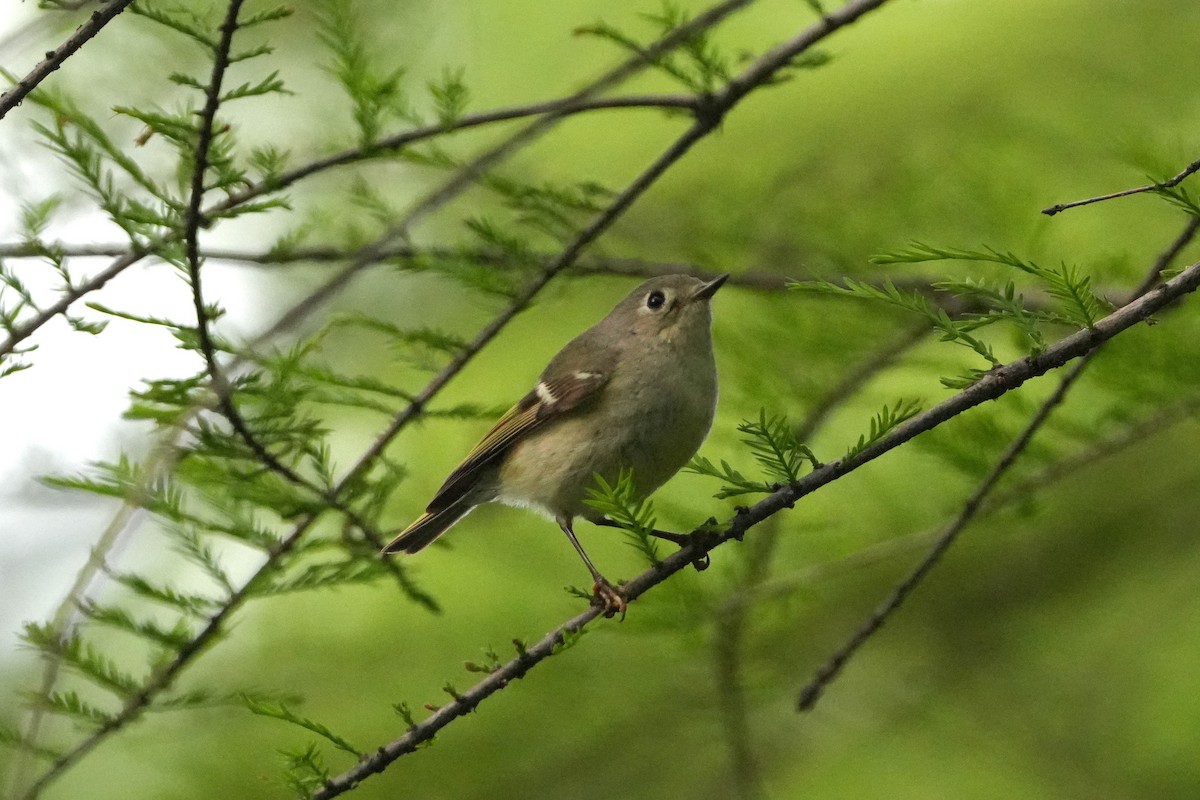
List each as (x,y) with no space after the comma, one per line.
(54,58)
(558,108)
(1167,184)
(832,667)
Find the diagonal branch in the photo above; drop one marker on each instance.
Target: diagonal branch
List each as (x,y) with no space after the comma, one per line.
(54,58)
(1151,187)
(734,613)
(998,382)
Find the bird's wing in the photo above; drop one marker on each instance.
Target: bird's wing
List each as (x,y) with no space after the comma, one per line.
(558,393)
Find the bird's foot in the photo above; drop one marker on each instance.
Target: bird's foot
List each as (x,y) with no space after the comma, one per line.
(608,596)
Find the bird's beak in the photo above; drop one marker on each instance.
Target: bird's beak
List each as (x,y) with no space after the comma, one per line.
(709,289)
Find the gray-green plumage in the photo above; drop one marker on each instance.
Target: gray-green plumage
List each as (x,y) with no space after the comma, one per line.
(635,391)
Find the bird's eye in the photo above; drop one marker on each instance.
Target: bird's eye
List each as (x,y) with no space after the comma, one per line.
(655,300)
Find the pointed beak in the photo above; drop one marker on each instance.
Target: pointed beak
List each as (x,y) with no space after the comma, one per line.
(709,289)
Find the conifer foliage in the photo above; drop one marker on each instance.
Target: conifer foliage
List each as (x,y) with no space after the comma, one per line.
(248,490)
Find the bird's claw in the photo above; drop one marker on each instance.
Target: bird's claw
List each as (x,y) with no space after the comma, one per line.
(608,596)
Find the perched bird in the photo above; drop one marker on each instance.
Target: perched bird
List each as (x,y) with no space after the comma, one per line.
(636,391)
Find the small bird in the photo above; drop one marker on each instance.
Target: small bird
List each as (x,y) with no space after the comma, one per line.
(635,392)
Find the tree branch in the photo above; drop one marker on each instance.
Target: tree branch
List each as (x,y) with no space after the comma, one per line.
(191,228)
(832,667)
(54,58)
(1167,184)
(998,382)
(811,693)
(731,616)
(562,107)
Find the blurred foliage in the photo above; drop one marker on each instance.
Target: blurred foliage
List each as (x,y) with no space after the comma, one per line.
(1050,656)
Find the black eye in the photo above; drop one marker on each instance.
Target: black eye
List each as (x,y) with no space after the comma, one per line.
(655,300)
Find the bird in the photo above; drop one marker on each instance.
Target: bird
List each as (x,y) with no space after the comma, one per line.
(634,393)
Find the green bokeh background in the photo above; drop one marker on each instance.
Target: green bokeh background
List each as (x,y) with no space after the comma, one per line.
(1053,652)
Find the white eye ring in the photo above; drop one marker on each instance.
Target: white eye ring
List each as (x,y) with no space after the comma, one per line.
(655,300)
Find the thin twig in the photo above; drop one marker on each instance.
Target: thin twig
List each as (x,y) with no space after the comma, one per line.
(1167,257)
(1167,184)
(406,252)
(998,382)
(54,58)
(389,144)
(191,229)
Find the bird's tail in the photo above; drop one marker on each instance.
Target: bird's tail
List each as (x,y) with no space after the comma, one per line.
(428,527)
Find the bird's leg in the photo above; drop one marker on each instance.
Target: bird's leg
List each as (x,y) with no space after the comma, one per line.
(605,591)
